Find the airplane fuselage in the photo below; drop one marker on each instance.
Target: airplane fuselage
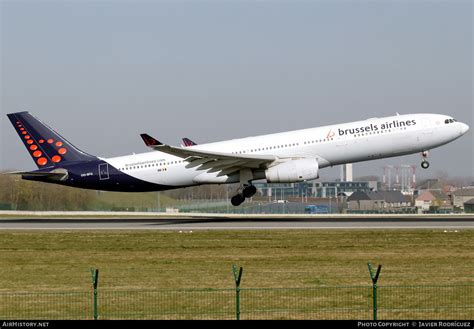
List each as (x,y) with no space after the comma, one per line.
(332,145)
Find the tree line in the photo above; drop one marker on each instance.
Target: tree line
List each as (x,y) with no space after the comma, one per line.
(19,194)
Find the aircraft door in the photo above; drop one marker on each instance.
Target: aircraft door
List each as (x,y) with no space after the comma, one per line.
(427,127)
(104,171)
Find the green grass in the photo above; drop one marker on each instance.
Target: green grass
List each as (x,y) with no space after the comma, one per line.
(59,260)
(52,261)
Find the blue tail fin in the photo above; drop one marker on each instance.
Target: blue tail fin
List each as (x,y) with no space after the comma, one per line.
(46,147)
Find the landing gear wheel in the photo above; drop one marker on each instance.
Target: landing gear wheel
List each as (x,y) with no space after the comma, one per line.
(425,164)
(249,191)
(237,200)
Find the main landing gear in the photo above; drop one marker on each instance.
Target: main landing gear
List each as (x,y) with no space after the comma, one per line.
(424,163)
(247,192)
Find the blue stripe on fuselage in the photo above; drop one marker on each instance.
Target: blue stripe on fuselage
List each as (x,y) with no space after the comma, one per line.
(100,175)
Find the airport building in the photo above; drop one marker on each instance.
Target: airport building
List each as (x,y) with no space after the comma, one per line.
(379,201)
(333,189)
(315,189)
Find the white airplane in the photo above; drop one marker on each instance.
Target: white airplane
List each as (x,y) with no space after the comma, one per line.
(287,157)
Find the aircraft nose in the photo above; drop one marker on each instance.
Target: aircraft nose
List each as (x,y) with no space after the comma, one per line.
(464,128)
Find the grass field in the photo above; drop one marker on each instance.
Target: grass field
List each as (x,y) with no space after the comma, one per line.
(60,260)
(327,268)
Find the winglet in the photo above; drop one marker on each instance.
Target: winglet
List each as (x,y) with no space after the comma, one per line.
(187,142)
(150,141)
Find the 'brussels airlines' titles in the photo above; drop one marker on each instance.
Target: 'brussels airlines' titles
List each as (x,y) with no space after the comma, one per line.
(375,127)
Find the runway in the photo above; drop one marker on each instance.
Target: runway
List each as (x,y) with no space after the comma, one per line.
(189,224)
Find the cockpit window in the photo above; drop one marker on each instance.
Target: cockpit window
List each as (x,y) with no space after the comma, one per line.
(447,121)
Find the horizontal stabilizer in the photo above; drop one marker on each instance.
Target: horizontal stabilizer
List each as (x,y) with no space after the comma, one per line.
(58,174)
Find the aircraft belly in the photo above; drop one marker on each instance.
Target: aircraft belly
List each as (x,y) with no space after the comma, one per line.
(369,148)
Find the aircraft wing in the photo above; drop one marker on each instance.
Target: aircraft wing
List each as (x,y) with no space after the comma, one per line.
(224,163)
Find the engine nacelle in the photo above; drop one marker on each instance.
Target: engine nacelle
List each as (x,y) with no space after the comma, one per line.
(293,171)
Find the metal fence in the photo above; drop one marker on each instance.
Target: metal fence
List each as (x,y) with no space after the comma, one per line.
(168,304)
(426,302)
(329,302)
(46,305)
(343,302)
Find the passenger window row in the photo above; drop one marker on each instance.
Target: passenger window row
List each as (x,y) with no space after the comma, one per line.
(161,164)
(266,148)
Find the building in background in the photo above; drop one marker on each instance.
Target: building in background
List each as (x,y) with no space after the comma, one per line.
(433,199)
(314,189)
(334,189)
(469,206)
(347,174)
(379,201)
(461,196)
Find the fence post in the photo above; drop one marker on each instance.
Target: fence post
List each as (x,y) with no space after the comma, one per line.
(95,281)
(374,278)
(237,278)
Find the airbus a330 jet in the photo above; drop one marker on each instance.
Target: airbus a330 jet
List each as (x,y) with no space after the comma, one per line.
(287,157)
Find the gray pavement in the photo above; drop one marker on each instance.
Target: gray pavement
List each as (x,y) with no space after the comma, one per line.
(219,223)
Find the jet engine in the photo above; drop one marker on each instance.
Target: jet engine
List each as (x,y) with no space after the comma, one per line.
(293,171)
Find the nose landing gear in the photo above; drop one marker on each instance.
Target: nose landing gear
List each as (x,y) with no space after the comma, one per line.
(424,163)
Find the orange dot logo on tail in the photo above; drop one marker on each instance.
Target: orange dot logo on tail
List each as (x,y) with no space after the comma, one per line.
(33,147)
(41,141)
(59,144)
(56,158)
(62,151)
(37,154)
(27,136)
(29,141)
(50,141)
(24,132)
(42,161)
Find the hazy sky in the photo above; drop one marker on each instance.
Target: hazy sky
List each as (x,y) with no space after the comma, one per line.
(102,72)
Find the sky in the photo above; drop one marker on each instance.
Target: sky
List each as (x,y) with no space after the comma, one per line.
(102,72)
